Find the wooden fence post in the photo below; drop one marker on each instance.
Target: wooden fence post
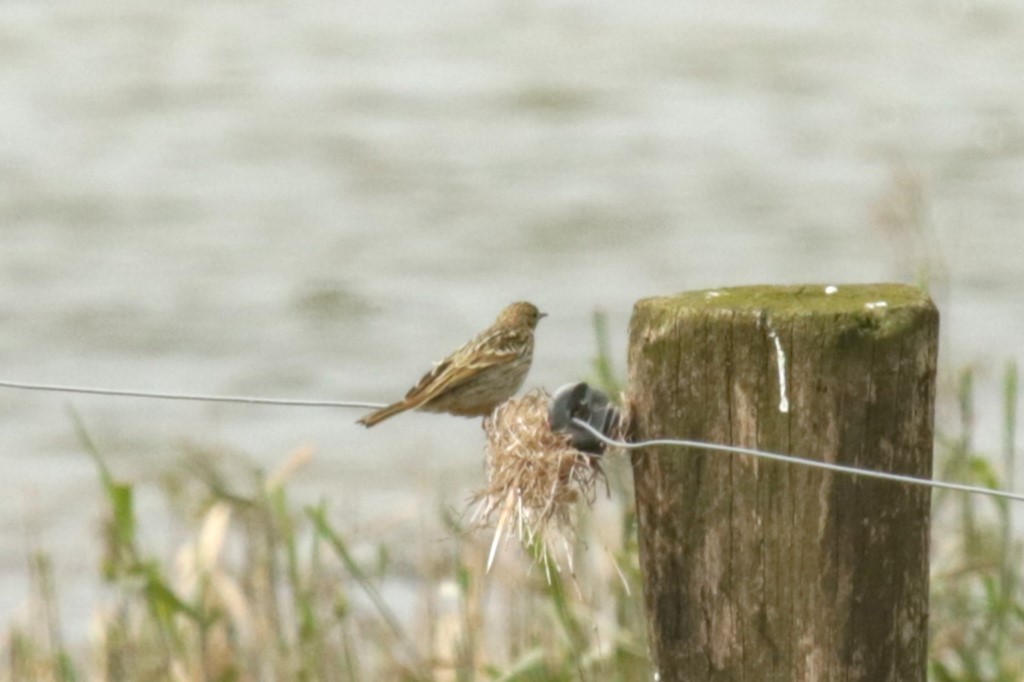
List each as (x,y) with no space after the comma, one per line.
(759,570)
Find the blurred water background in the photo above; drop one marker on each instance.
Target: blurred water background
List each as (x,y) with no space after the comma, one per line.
(318,199)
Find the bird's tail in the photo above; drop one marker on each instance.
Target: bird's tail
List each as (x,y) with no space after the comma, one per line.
(384,412)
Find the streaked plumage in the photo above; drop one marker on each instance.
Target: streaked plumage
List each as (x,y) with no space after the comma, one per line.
(478,377)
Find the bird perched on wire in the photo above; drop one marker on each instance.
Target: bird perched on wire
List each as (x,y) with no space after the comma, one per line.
(478,377)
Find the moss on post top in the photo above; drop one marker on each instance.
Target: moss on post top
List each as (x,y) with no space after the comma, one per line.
(825,298)
(876,304)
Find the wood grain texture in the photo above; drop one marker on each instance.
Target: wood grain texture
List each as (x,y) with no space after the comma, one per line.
(766,571)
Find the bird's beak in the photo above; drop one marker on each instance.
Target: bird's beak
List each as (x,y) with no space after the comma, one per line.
(540,315)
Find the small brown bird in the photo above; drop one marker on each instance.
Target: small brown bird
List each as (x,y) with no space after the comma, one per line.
(478,377)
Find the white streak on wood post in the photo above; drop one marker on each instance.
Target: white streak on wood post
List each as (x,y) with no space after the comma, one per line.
(780,359)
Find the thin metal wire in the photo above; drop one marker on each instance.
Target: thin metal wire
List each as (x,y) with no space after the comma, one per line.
(668,442)
(249,400)
(791,459)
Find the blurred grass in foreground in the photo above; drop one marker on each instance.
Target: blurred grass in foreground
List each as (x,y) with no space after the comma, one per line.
(264,590)
(977,600)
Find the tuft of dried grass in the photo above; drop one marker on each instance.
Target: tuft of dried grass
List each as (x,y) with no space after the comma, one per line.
(535,478)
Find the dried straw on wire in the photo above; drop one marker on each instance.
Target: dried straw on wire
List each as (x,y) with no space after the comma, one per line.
(534,476)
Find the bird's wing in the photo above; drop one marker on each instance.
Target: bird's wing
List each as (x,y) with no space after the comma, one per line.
(483,352)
